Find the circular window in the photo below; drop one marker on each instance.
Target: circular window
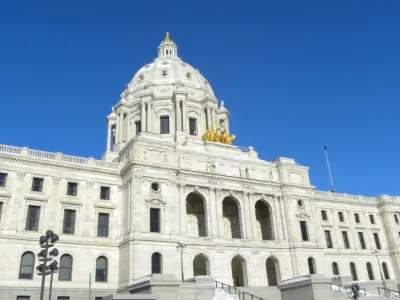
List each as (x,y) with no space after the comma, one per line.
(300,203)
(155,186)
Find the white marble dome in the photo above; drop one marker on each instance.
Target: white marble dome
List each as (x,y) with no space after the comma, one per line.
(166,73)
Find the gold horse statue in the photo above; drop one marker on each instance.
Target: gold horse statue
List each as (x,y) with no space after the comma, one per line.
(218,137)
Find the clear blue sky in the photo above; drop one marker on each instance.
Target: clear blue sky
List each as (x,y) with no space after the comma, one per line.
(295,75)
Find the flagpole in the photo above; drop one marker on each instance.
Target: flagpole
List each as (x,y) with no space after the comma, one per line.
(90,286)
(329,169)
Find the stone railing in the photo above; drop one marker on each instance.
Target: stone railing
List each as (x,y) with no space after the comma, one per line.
(344,196)
(37,154)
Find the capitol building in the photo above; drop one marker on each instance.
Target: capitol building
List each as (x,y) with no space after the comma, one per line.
(171,175)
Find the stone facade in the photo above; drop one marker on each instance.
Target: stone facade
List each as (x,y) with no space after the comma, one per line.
(238,215)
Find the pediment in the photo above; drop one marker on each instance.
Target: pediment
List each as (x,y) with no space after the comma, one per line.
(303,216)
(155,202)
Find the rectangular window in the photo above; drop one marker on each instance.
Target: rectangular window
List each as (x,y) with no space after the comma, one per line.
(371,219)
(138,126)
(341,218)
(377,242)
(62,298)
(303,228)
(193,126)
(164,125)
(69,221)
(3,179)
(154,220)
(361,238)
(98,298)
(37,184)
(23,297)
(328,239)
(105,193)
(345,240)
(396,218)
(72,189)
(357,218)
(323,215)
(102,226)
(32,219)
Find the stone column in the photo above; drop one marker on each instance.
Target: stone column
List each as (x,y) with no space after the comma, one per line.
(247,220)
(184,117)
(182,209)
(121,125)
(277,220)
(117,129)
(220,215)
(178,115)
(209,118)
(252,211)
(109,137)
(148,118)
(213,214)
(143,116)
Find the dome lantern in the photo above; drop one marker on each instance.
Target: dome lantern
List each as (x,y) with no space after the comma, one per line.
(167,48)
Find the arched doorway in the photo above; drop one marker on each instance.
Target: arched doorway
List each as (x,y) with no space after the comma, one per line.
(239,271)
(195,213)
(264,221)
(201,266)
(273,272)
(230,209)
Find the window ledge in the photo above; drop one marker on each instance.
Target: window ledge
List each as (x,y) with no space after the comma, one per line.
(104,204)
(71,202)
(37,198)
(4,195)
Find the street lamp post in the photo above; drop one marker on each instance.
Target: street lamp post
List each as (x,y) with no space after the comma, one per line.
(180,247)
(47,241)
(376,252)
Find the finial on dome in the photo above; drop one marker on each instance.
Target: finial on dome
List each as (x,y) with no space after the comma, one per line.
(167,37)
(222,103)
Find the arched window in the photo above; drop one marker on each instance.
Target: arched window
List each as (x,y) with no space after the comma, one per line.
(335,269)
(156,263)
(353,271)
(311,266)
(101,269)
(370,272)
(65,273)
(385,270)
(26,267)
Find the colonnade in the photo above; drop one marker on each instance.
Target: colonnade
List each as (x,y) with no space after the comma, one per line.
(227,217)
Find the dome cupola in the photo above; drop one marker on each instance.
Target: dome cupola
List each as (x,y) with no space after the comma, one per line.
(167,48)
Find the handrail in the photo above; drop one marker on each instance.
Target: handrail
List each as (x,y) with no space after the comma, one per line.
(389,292)
(342,288)
(237,291)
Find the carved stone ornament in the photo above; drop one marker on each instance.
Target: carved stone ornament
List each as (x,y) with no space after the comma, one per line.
(163,89)
(156,202)
(89,184)
(56,180)
(21,176)
(211,166)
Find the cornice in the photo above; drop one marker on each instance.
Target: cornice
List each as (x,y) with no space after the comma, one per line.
(50,164)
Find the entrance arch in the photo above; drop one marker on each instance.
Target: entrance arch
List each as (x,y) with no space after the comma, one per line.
(201,266)
(195,214)
(273,271)
(264,221)
(239,271)
(231,215)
